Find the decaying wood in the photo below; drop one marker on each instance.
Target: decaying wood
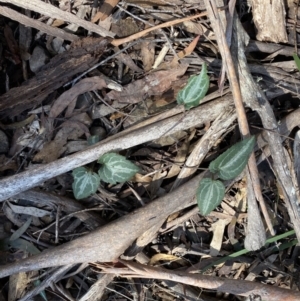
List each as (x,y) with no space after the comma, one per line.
(52,31)
(207,141)
(238,102)
(210,138)
(53,278)
(94,246)
(257,46)
(50,11)
(82,55)
(255,234)
(220,284)
(98,289)
(118,42)
(256,99)
(107,243)
(13,185)
(269,19)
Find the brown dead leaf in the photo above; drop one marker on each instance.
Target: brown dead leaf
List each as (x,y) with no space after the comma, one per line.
(57,23)
(179,159)
(169,96)
(155,259)
(81,122)
(7,163)
(218,229)
(155,83)
(18,284)
(127,60)
(12,44)
(69,97)
(71,130)
(125,27)
(198,28)
(193,27)
(105,10)
(147,54)
(187,51)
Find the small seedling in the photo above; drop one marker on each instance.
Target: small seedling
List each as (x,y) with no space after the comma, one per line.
(115,169)
(226,167)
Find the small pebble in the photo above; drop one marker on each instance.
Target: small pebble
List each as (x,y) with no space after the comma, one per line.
(38,59)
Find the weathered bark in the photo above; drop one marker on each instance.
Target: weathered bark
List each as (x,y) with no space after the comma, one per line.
(108,242)
(82,55)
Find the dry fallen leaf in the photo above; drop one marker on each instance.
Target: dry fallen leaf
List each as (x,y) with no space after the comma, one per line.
(218,229)
(155,83)
(166,257)
(147,54)
(69,97)
(71,130)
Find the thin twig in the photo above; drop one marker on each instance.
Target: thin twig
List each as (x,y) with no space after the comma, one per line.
(238,101)
(118,42)
(224,285)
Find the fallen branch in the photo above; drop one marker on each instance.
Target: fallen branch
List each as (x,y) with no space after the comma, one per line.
(257,101)
(252,172)
(54,12)
(107,243)
(13,185)
(222,285)
(50,30)
(117,236)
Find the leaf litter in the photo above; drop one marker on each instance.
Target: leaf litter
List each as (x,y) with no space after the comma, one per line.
(131,84)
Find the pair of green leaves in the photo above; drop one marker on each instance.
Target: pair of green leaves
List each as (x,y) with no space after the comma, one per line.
(115,169)
(227,166)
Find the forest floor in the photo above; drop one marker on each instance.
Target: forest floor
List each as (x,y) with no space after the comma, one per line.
(110,183)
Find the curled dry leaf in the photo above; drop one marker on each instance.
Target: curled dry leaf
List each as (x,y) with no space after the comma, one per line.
(155,83)
(71,130)
(147,54)
(69,97)
(127,60)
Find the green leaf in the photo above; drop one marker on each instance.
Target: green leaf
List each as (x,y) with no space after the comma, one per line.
(232,162)
(210,194)
(21,230)
(24,245)
(37,283)
(297,60)
(85,182)
(196,88)
(116,168)
(93,139)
